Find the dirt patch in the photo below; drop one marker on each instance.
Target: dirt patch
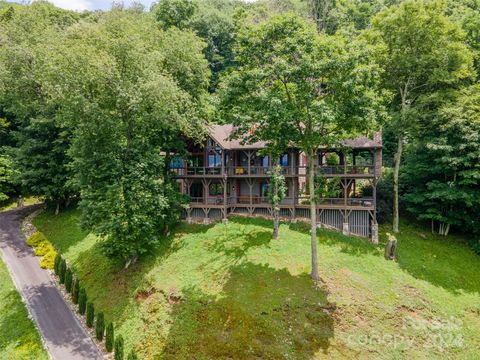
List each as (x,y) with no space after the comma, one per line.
(172,296)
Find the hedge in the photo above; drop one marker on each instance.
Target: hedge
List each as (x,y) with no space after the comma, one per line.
(109,337)
(90,314)
(62,270)
(75,291)
(68,280)
(119,353)
(100,326)
(82,301)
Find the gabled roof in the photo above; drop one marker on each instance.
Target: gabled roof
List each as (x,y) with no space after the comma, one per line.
(221,134)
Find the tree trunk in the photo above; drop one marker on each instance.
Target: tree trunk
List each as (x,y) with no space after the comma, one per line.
(276,223)
(275,212)
(313,215)
(57,209)
(396,171)
(20,203)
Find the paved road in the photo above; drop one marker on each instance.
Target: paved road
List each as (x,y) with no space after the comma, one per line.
(64,336)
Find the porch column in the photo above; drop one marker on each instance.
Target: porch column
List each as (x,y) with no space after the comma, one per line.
(374,232)
(225,183)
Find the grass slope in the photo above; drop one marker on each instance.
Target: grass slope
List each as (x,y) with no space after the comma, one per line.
(19,338)
(229,291)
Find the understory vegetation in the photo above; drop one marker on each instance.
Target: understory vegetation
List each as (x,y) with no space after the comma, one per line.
(230,291)
(19,338)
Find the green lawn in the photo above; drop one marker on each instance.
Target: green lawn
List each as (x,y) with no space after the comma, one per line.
(19,338)
(229,291)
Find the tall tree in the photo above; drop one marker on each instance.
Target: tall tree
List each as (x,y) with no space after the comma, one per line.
(443,166)
(41,143)
(421,51)
(130,90)
(295,87)
(276,192)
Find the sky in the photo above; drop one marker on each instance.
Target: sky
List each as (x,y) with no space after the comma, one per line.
(91,4)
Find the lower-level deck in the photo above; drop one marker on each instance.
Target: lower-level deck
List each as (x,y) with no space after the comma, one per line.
(356,219)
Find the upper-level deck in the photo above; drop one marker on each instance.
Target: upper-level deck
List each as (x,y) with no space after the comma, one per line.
(344,171)
(221,157)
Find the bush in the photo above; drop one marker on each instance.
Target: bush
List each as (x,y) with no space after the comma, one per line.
(58,260)
(100,326)
(82,301)
(119,348)
(75,291)
(36,239)
(62,270)
(90,314)
(68,280)
(109,337)
(48,261)
(132,356)
(43,248)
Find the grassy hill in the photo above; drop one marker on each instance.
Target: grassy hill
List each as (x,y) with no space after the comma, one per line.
(229,291)
(19,339)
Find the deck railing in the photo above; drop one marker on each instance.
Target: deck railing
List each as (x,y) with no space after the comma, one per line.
(261,200)
(327,170)
(346,169)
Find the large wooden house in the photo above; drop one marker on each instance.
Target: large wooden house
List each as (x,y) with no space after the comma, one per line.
(224,176)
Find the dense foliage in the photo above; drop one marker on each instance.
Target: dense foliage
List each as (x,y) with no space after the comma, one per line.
(94,104)
(294,86)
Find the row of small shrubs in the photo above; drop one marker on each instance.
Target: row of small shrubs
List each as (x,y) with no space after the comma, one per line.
(79,297)
(43,248)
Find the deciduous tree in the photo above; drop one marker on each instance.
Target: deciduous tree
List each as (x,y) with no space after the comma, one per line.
(295,87)
(421,51)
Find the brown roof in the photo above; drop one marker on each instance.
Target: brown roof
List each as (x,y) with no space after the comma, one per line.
(221,134)
(362,142)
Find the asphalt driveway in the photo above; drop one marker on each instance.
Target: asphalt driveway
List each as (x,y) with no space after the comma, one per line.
(64,337)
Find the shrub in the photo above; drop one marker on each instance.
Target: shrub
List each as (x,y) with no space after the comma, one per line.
(36,239)
(119,348)
(109,337)
(58,260)
(100,326)
(62,270)
(82,301)
(132,356)
(75,291)
(48,261)
(68,280)
(90,314)
(43,248)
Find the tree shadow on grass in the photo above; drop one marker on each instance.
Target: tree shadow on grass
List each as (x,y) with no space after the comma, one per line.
(352,245)
(262,313)
(446,262)
(111,286)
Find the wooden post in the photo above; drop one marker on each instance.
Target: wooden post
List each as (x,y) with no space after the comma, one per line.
(225,183)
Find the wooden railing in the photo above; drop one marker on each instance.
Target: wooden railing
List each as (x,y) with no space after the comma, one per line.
(346,169)
(260,200)
(327,170)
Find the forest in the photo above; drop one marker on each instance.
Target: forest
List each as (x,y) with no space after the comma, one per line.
(93,104)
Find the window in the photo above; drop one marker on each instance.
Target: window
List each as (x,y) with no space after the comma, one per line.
(215,189)
(265,161)
(176,163)
(284,160)
(263,189)
(214,160)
